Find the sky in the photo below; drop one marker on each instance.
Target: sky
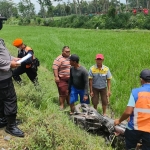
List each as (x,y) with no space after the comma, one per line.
(37,6)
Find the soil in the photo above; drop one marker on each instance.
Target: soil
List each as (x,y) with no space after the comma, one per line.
(4,144)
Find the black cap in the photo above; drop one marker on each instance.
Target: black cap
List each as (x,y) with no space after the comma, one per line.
(74,57)
(145,75)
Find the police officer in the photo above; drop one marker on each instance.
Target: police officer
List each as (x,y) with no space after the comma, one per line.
(27,65)
(8,99)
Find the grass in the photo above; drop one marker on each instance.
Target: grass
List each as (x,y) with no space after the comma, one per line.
(126,54)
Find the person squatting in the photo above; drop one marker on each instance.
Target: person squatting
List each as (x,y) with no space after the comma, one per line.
(29,66)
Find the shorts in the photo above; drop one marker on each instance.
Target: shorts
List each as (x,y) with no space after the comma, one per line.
(132,137)
(62,87)
(74,96)
(102,93)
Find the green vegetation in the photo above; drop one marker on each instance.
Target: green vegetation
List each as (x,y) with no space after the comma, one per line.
(126,53)
(99,21)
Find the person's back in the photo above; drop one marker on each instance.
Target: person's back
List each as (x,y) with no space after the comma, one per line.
(138,114)
(138,120)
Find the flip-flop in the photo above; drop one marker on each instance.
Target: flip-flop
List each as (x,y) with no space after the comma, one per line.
(71,113)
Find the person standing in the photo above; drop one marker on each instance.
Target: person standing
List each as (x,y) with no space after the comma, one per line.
(78,83)
(27,65)
(100,83)
(61,70)
(138,110)
(8,99)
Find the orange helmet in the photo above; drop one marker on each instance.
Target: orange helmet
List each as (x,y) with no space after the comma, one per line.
(17,42)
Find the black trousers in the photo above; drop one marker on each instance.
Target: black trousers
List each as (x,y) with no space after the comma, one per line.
(22,69)
(8,99)
(132,137)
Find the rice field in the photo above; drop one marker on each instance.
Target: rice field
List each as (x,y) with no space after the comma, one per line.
(126,53)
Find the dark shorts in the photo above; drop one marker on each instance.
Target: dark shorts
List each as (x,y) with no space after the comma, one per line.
(132,137)
(74,96)
(62,87)
(102,93)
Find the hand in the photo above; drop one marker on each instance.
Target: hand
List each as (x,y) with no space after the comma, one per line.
(91,94)
(67,92)
(108,93)
(14,64)
(116,122)
(85,98)
(57,79)
(16,59)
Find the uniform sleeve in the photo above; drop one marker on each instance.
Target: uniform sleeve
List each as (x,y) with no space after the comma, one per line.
(4,65)
(29,60)
(5,58)
(131,101)
(90,74)
(109,76)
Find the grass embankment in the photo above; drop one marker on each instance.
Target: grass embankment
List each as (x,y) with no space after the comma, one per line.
(126,54)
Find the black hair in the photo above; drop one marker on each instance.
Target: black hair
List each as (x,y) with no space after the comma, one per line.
(65,47)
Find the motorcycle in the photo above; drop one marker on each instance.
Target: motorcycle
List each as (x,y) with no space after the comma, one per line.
(87,118)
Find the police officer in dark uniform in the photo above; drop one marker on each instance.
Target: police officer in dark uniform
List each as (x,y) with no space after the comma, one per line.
(29,66)
(8,99)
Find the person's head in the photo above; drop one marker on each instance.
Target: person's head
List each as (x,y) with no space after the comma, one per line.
(18,43)
(66,51)
(145,76)
(99,59)
(74,59)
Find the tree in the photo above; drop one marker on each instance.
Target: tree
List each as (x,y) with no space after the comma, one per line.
(67,9)
(46,6)
(8,9)
(26,8)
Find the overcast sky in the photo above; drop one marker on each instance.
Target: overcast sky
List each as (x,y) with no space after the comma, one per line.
(37,6)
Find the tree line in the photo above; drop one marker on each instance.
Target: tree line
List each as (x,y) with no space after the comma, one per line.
(26,9)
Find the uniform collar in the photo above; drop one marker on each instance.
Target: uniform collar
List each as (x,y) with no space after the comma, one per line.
(101,68)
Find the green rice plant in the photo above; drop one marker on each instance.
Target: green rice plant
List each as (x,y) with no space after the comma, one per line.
(126,54)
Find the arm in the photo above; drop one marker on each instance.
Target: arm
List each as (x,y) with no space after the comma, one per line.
(5,65)
(108,87)
(56,65)
(90,85)
(91,82)
(128,111)
(125,115)
(55,71)
(86,81)
(29,60)
(70,81)
(109,76)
